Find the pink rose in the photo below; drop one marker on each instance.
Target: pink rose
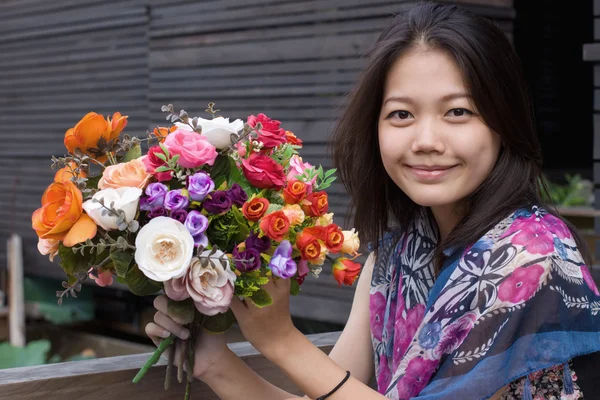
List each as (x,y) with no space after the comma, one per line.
(210,287)
(297,167)
(192,148)
(271,135)
(263,172)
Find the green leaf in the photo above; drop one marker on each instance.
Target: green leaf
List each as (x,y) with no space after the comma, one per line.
(219,323)
(164,149)
(330,172)
(35,353)
(184,310)
(70,262)
(92,182)
(162,169)
(288,152)
(221,167)
(294,288)
(139,284)
(261,298)
(161,156)
(133,153)
(235,175)
(244,230)
(121,261)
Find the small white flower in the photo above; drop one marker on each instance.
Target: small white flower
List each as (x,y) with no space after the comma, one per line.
(124,198)
(164,248)
(217,130)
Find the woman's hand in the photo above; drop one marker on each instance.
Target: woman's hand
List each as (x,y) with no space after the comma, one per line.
(266,328)
(210,348)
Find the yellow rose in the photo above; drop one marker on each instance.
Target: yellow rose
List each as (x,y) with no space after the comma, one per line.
(294,213)
(351,242)
(321,260)
(129,174)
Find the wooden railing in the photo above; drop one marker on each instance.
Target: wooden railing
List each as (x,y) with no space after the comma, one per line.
(110,378)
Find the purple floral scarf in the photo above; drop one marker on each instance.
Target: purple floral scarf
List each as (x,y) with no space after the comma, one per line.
(519,300)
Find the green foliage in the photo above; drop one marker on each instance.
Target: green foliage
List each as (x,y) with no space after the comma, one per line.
(121,261)
(223,230)
(261,298)
(220,170)
(139,284)
(35,353)
(219,323)
(242,224)
(92,182)
(236,176)
(249,283)
(295,288)
(184,310)
(71,262)
(325,178)
(41,294)
(576,192)
(133,153)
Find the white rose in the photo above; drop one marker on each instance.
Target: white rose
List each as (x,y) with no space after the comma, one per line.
(217,130)
(125,198)
(163,249)
(210,286)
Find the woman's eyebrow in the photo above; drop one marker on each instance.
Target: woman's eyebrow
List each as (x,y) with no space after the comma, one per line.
(448,97)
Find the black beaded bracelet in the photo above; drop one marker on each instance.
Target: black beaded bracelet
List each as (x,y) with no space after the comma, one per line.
(335,388)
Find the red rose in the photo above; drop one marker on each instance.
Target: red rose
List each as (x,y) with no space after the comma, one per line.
(334,238)
(294,192)
(271,135)
(292,139)
(152,162)
(275,225)
(315,204)
(345,271)
(263,172)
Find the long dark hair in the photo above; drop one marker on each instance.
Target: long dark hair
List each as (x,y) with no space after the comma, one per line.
(494,78)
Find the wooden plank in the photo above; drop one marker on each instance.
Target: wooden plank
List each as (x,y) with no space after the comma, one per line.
(596,7)
(596,132)
(596,29)
(92,379)
(591,52)
(74,57)
(16,301)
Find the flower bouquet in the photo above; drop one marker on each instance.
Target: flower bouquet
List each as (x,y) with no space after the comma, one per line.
(214,209)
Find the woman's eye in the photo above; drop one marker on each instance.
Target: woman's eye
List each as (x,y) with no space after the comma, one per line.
(401,114)
(459,112)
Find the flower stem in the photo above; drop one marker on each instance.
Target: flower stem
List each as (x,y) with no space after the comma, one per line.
(164,345)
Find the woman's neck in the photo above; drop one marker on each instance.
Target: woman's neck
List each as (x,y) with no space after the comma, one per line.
(446,218)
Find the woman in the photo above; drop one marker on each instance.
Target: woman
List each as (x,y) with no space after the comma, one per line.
(474,288)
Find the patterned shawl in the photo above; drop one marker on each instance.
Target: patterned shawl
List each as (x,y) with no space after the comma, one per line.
(517,301)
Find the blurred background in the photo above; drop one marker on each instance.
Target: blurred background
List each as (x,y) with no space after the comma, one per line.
(294,60)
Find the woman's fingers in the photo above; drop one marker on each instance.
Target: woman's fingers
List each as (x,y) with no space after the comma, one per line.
(171,326)
(156,333)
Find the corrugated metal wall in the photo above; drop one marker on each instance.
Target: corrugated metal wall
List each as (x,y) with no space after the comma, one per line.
(291,59)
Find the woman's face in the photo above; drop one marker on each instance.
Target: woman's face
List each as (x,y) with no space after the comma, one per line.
(433,144)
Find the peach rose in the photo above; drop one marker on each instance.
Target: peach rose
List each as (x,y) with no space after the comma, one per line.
(90,129)
(294,213)
(61,216)
(129,174)
(67,172)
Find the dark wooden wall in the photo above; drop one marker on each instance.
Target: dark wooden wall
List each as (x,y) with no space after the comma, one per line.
(591,52)
(291,59)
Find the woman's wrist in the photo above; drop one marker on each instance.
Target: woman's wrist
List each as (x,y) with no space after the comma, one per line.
(219,368)
(279,349)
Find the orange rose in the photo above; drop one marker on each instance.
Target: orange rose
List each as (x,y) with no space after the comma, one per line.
(315,204)
(254,209)
(345,271)
(161,133)
(308,243)
(130,174)
(275,225)
(61,216)
(67,172)
(90,129)
(292,139)
(294,192)
(334,238)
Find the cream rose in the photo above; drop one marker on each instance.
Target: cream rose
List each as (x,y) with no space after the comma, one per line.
(48,247)
(124,198)
(294,213)
(130,174)
(351,242)
(325,220)
(217,130)
(164,248)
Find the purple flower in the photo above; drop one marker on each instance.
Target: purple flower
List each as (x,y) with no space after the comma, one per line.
(454,334)
(155,196)
(418,373)
(217,203)
(175,200)
(179,215)
(196,223)
(158,212)
(377,305)
(201,240)
(250,259)
(261,244)
(237,195)
(199,185)
(281,263)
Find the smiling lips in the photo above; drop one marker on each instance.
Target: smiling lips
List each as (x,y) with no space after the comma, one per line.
(429,173)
